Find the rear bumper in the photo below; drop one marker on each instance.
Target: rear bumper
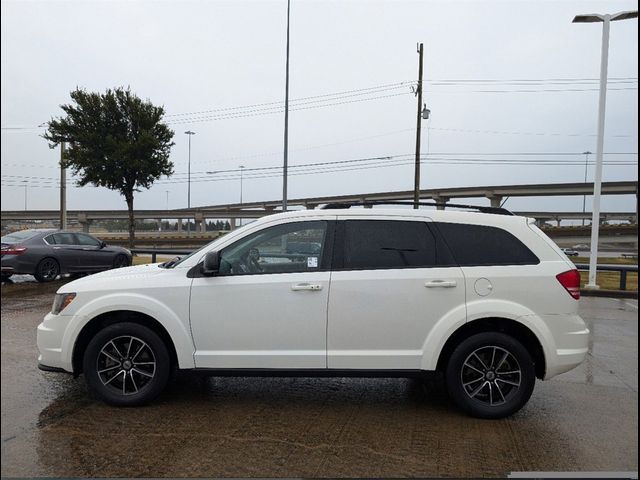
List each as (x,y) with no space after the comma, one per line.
(571,341)
(12,264)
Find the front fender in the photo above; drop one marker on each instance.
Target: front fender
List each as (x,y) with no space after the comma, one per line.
(172,321)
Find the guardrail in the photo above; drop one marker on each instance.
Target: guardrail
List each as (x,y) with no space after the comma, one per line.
(154,252)
(622,269)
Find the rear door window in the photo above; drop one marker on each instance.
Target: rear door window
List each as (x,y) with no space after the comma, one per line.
(481,245)
(387,244)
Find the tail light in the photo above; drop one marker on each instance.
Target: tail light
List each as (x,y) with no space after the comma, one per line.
(13,250)
(570,280)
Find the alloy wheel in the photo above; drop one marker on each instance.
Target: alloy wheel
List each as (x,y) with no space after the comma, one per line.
(491,375)
(125,365)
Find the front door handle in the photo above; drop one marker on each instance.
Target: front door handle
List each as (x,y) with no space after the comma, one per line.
(441,284)
(313,287)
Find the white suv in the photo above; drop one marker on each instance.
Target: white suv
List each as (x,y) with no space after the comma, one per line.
(488,300)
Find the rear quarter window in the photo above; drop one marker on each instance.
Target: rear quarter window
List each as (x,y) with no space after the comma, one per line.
(481,245)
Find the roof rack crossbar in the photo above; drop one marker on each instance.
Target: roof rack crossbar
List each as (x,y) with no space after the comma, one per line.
(481,209)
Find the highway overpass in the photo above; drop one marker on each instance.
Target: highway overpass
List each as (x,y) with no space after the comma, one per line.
(495,194)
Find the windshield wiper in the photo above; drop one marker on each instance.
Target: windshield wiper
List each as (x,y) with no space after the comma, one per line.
(170,263)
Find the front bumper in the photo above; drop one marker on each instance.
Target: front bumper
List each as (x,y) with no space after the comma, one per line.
(50,343)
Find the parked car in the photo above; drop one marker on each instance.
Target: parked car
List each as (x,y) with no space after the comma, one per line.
(45,254)
(570,252)
(488,300)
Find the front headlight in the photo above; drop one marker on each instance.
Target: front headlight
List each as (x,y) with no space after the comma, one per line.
(61,301)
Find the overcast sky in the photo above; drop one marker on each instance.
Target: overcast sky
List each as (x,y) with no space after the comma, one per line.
(504,80)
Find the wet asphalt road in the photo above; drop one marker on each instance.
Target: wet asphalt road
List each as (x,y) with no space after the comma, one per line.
(585,420)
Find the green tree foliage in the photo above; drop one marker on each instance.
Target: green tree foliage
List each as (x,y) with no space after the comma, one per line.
(114,140)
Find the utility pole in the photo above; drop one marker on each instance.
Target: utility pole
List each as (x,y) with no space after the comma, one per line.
(63,189)
(416,186)
(286,121)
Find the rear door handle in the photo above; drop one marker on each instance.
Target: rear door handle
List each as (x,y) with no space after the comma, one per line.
(441,284)
(313,287)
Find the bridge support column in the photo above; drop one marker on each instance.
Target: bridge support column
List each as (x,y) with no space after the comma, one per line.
(198,221)
(204,225)
(232,223)
(558,221)
(159,222)
(84,221)
(179,225)
(443,200)
(495,200)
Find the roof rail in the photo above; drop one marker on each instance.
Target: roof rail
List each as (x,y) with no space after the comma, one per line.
(481,209)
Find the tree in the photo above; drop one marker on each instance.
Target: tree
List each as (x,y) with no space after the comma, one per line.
(115,140)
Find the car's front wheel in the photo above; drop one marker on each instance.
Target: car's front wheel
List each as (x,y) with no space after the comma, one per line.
(490,375)
(120,261)
(126,364)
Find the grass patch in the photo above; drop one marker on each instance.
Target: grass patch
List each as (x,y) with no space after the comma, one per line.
(611,280)
(142,260)
(607,260)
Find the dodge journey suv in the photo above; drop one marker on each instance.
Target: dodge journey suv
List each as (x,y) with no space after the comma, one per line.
(486,299)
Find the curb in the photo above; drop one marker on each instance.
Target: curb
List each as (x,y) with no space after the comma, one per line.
(609,293)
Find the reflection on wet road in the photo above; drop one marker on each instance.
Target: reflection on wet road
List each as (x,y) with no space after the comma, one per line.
(584,420)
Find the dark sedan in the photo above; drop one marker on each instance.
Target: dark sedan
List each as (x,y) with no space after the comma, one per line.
(45,254)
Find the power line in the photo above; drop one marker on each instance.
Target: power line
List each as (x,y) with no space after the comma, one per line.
(329,167)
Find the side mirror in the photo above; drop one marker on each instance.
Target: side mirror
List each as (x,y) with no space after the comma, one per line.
(103,244)
(211,264)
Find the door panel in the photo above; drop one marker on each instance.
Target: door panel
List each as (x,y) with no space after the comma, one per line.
(267,307)
(89,253)
(394,281)
(260,321)
(380,319)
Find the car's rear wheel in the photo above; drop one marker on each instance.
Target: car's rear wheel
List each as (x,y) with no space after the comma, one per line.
(126,364)
(120,261)
(490,375)
(47,270)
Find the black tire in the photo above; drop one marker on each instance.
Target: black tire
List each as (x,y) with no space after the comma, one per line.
(47,270)
(113,368)
(120,261)
(5,276)
(480,379)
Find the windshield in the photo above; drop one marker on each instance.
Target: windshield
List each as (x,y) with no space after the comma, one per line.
(17,237)
(178,260)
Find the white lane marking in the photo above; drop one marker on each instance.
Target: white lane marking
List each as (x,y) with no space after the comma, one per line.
(632,305)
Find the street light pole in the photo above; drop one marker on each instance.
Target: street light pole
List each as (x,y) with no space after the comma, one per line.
(584,197)
(63,189)
(167,192)
(25,194)
(190,133)
(602,100)
(241,167)
(286,120)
